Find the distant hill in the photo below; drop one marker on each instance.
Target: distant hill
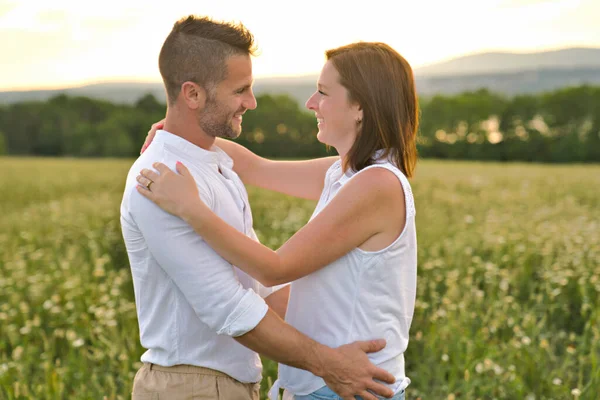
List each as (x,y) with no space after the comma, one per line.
(509,83)
(127,92)
(501,62)
(506,73)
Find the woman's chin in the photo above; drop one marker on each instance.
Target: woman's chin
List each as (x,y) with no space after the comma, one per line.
(322,137)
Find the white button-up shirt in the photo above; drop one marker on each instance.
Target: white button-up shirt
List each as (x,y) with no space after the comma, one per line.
(191,302)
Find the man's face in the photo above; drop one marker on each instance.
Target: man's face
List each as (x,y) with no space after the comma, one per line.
(222,114)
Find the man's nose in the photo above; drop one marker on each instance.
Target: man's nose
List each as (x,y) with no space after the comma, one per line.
(251,103)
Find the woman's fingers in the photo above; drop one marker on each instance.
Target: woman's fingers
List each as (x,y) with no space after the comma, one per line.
(182,169)
(151,175)
(151,133)
(162,168)
(144,191)
(145,182)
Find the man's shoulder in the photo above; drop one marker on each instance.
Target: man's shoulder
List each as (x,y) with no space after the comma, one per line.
(145,160)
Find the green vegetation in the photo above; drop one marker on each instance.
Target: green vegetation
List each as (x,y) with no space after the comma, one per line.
(2,144)
(558,127)
(508,293)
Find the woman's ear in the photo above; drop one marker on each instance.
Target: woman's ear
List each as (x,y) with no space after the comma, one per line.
(359,114)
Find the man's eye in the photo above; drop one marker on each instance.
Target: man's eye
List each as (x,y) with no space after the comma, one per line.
(321,93)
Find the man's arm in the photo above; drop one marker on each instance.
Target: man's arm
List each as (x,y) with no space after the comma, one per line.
(346,369)
(207,281)
(304,179)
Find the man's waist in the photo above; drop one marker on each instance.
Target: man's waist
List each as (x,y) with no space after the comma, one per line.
(242,364)
(186,369)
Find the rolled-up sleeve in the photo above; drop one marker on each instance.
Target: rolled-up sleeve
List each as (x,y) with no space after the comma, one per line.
(207,281)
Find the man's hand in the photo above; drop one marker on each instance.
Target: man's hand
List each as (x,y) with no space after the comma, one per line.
(348,371)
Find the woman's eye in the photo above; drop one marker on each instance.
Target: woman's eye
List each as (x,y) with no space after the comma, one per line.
(321,93)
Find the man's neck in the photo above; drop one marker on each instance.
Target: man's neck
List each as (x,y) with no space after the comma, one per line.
(186,127)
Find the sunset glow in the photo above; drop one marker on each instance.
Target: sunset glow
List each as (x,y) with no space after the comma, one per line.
(63,43)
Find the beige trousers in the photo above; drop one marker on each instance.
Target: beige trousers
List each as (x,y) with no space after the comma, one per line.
(187,382)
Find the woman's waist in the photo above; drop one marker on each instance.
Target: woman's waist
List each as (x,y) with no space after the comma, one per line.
(336,328)
(301,382)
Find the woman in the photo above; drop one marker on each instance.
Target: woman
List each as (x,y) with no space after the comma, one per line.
(353,266)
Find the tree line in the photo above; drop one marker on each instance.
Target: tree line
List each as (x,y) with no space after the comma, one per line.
(559,126)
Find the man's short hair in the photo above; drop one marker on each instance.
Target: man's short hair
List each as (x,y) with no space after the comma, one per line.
(197,50)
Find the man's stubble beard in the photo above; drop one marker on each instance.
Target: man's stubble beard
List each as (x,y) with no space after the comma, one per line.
(215,122)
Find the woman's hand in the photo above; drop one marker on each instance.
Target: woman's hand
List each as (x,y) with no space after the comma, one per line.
(151,134)
(176,193)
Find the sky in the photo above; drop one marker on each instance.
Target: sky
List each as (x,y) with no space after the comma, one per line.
(62,43)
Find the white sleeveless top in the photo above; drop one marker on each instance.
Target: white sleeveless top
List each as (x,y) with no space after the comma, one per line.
(363,295)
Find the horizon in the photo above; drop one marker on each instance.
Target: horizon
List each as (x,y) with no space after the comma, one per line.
(70,45)
(159,81)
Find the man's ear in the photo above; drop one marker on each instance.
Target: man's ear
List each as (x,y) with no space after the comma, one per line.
(194,95)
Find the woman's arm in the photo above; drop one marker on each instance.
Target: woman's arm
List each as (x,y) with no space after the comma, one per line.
(370,204)
(303,179)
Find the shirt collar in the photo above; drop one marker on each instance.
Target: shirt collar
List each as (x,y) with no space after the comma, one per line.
(215,156)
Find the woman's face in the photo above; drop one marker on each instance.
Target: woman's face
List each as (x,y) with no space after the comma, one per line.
(337,118)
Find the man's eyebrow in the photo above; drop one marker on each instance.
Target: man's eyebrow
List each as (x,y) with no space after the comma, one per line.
(247,85)
(321,85)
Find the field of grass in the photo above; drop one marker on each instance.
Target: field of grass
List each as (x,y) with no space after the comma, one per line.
(508,303)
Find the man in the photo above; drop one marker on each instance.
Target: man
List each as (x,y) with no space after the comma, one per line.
(201,319)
